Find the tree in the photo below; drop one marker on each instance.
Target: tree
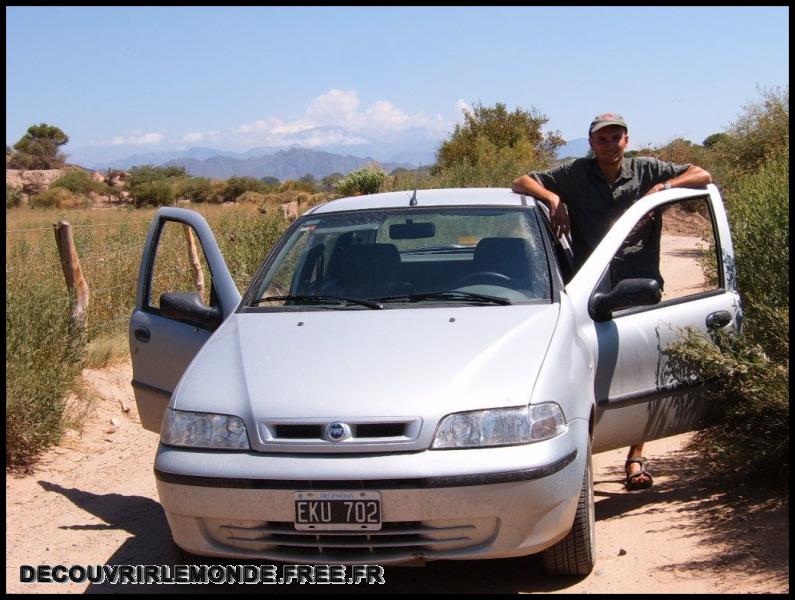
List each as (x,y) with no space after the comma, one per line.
(492,135)
(39,148)
(270,181)
(310,180)
(327,183)
(715,138)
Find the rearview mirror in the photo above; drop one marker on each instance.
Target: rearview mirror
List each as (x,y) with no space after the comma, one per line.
(627,294)
(411,230)
(188,306)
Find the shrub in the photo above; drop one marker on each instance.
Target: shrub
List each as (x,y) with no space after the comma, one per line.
(367,180)
(236,186)
(298,185)
(758,208)
(195,189)
(13,196)
(78,181)
(41,367)
(150,173)
(58,197)
(154,193)
(251,197)
(748,427)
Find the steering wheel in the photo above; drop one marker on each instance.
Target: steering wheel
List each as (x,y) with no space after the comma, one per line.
(484,277)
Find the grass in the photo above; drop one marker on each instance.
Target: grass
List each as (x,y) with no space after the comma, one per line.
(107,350)
(43,361)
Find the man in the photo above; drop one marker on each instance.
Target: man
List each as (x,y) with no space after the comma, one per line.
(586,197)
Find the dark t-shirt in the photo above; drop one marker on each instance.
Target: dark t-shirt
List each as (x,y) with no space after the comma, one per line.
(594,205)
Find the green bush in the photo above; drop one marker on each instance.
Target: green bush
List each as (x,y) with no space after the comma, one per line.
(13,196)
(237,186)
(41,367)
(78,181)
(153,193)
(196,189)
(367,180)
(748,427)
(58,197)
(149,174)
(758,208)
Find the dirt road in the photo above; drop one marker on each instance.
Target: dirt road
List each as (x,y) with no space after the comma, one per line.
(93,500)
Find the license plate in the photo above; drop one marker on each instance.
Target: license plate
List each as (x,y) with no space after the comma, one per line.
(337,511)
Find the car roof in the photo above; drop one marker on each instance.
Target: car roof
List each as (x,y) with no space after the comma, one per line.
(426,198)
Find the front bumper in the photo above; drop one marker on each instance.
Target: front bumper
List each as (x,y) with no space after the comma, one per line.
(445,504)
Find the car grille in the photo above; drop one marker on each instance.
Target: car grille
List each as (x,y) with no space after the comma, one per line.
(376,435)
(406,539)
(361,431)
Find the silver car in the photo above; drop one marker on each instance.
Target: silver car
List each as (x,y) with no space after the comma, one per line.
(413,377)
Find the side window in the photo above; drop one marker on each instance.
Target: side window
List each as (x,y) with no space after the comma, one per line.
(180,265)
(674,244)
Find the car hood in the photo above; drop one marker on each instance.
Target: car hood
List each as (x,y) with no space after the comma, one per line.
(414,362)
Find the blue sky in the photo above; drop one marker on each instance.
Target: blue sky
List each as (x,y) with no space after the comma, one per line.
(148,79)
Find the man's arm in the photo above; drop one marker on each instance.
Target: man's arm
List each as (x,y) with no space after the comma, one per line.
(558,215)
(693,177)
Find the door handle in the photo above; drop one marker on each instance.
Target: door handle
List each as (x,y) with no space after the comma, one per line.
(718,319)
(142,334)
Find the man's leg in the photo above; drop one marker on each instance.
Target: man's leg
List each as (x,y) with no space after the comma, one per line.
(641,481)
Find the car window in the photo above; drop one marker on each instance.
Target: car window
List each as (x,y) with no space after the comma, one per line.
(179,265)
(674,244)
(383,253)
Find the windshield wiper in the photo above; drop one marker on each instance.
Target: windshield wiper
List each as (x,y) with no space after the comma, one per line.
(453,295)
(322,300)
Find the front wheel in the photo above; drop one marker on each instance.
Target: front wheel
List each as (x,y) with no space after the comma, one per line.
(576,553)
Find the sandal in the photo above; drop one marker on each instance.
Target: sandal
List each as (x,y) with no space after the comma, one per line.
(633,481)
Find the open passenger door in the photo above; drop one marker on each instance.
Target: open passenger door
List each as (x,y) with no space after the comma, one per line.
(640,393)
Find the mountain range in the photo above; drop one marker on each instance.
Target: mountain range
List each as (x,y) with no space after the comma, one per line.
(282,163)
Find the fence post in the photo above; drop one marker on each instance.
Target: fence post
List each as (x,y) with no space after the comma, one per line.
(73,274)
(193,256)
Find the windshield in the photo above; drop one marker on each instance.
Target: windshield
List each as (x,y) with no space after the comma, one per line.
(399,257)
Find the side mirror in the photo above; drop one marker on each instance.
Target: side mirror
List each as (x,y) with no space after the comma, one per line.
(627,294)
(188,306)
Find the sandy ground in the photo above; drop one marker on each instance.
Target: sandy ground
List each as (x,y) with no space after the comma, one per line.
(92,500)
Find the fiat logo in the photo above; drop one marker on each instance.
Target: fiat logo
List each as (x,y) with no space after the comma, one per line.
(337,431)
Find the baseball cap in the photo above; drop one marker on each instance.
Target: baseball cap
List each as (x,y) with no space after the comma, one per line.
(606,119)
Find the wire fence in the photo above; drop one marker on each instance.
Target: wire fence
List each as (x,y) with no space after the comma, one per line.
(109,252)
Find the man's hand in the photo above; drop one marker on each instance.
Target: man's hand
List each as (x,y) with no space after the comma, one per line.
(654,189)
(558,216)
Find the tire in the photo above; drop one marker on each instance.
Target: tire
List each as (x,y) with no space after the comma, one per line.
(576,553)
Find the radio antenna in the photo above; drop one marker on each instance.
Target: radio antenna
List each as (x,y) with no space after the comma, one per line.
(413,200)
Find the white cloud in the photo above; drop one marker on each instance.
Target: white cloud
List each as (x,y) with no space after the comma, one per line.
(463,106)
(337,117)
(199,136)
(136,138)
(334,117)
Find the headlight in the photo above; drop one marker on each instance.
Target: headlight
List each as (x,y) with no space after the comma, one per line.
(500,427)
(203,430)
